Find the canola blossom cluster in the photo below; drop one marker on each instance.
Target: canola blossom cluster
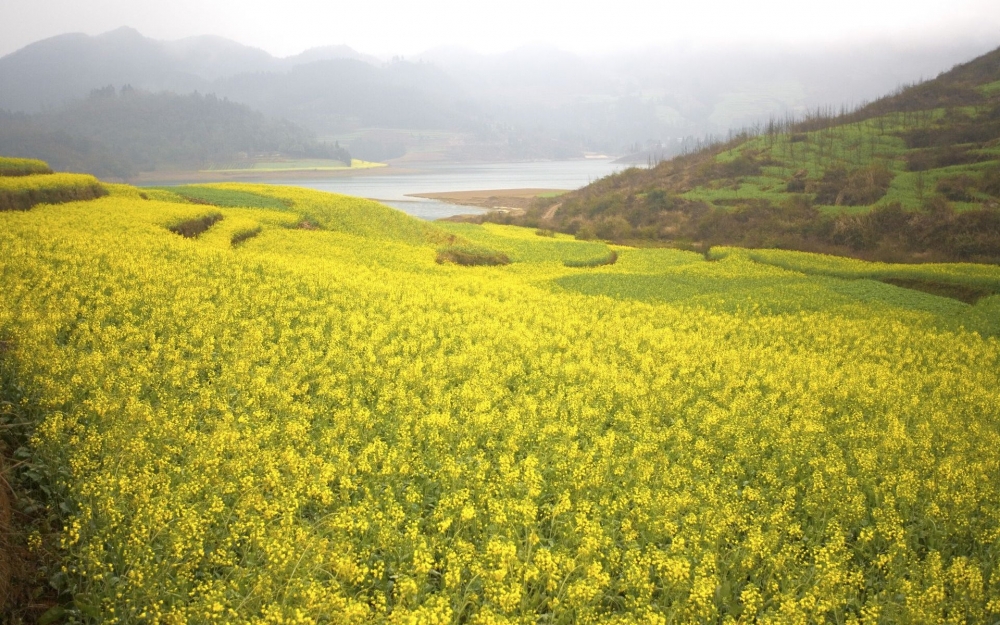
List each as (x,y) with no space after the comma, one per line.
(322,424)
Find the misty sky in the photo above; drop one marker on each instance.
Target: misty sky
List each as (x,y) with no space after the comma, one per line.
(389,27)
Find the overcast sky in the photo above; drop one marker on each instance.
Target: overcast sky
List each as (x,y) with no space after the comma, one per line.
(389,27)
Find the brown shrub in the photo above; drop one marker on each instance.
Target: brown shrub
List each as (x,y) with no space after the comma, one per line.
(960,188)
(989,181)
(935,158)
(861,187)
(798,182)
(244,235)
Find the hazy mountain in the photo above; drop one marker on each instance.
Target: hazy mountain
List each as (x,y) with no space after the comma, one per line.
(340,95)
(532,102)
(331,89)
(661,95)
(53,71)
(210,57)
(118,134)
(328,53)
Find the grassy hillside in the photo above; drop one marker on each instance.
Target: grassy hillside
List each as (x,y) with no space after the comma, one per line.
(913,176)
(241,403)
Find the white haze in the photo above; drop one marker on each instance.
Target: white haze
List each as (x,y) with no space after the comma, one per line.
(390,27)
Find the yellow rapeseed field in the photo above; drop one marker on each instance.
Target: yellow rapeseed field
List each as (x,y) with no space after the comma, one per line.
(21,192)
(44,182)
(324,425)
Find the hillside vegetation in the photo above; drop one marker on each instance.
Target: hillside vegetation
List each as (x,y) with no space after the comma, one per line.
(913,176)
(291,411)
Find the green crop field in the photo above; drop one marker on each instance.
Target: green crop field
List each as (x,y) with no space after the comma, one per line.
(216,196)
(285,406)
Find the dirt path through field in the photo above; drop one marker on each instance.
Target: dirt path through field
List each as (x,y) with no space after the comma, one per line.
(549,214)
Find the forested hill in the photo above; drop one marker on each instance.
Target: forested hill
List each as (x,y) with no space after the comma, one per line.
(120,133)
(912,176)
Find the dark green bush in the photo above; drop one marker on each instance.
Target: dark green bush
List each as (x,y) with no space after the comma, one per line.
(191,228)
(243,235)
(471,256)
(608,259)
(585,233)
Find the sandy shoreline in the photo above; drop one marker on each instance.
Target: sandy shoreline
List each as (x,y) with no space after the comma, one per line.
(494,199)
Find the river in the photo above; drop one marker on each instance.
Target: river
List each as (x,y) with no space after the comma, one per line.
(394,189)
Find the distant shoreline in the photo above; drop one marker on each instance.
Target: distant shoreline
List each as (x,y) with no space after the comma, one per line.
(250,175)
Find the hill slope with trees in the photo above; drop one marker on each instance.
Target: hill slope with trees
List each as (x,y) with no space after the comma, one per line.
(912,176)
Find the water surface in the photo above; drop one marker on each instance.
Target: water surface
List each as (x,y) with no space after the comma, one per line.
(394,189)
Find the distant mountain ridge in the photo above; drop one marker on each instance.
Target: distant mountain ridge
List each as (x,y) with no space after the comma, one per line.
(534,102)
(328,53)
(330,90)
(49,73)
